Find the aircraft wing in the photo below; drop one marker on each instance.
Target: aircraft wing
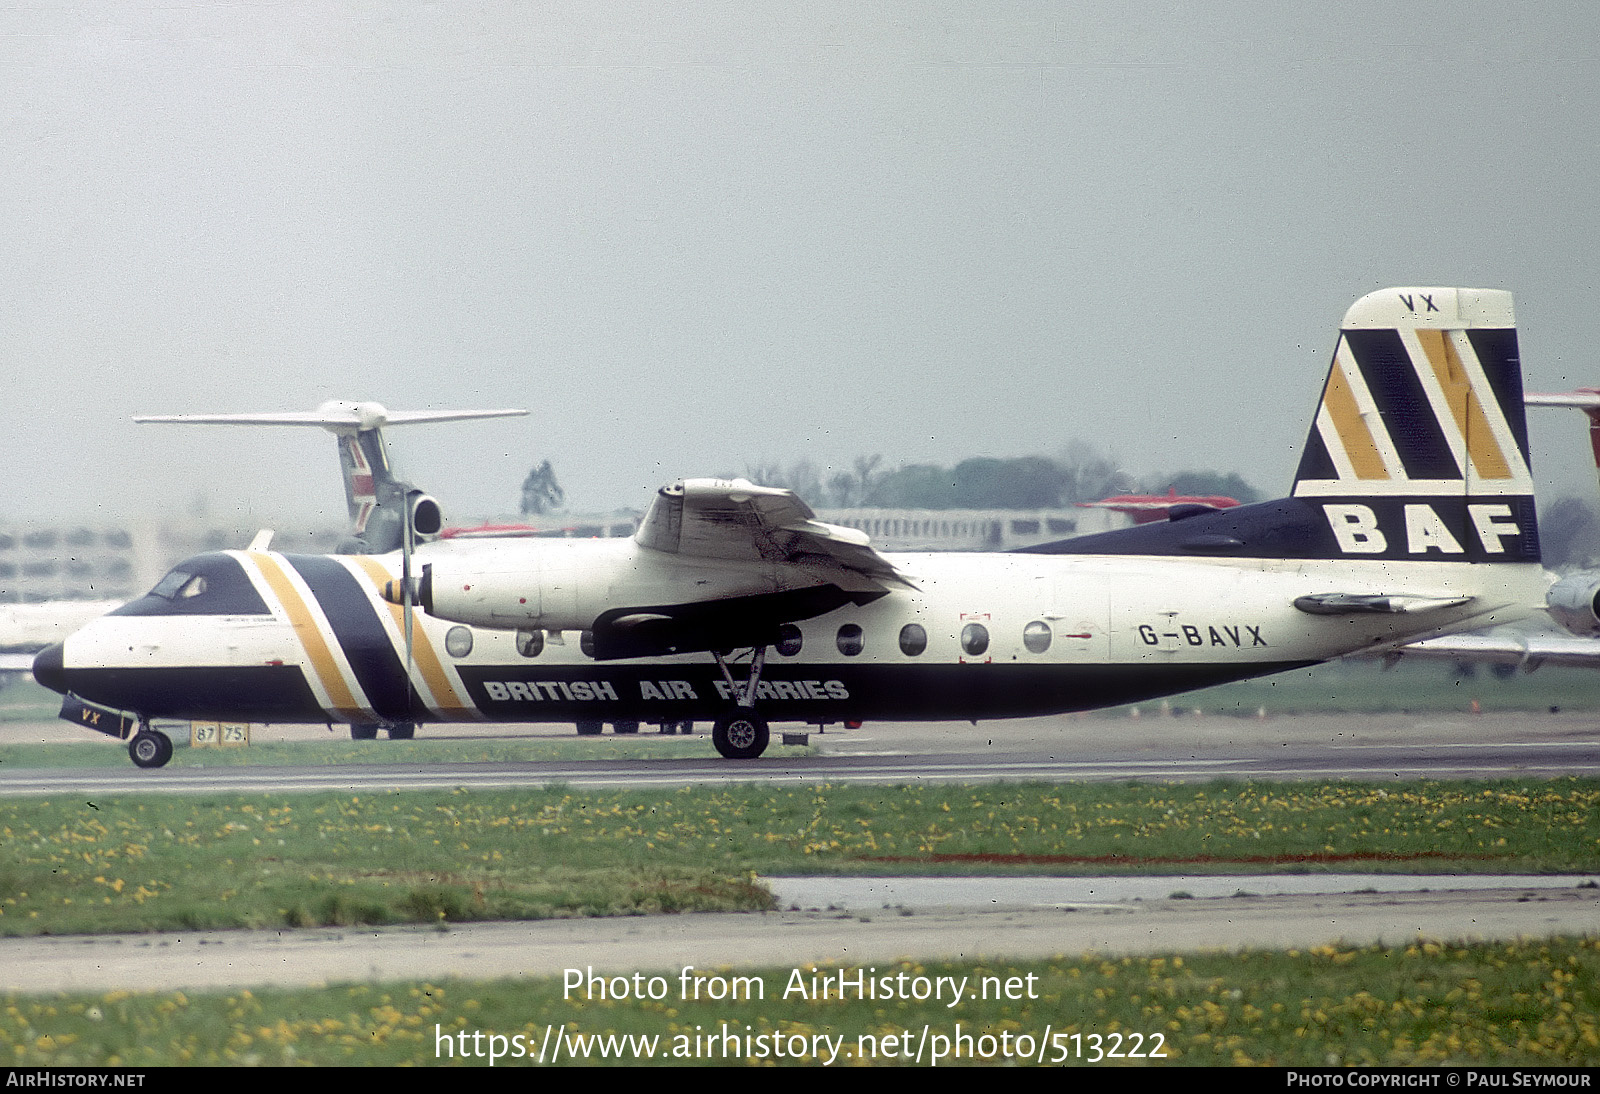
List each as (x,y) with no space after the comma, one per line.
(1506,648)
(16,662)
(737,520)
(1581,400)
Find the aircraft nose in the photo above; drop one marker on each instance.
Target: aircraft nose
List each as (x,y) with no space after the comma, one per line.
(49,668)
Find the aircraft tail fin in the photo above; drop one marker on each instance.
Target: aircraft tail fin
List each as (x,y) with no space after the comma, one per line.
(375,498)
(1418,451)
(1419,448)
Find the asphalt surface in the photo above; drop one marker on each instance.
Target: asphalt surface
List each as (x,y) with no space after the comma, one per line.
(1042,749)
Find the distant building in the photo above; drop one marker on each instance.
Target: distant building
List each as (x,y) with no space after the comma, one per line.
(41,561)
(971,529)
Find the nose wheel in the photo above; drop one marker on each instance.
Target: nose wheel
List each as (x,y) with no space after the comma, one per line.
(150,748)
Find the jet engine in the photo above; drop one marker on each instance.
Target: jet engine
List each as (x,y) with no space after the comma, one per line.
(1574,602)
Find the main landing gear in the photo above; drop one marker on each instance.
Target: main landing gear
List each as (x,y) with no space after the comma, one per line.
(398,731)
(742,734)
(149,747)
(591,728)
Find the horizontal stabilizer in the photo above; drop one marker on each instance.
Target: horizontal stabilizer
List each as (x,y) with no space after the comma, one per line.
(1367,604)
(1582,400)
(337,416)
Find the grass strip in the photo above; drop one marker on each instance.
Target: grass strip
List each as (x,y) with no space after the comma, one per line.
(262,860)
(1505,1004)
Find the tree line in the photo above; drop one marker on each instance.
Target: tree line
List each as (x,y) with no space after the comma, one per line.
(1569,530)
(1079,473)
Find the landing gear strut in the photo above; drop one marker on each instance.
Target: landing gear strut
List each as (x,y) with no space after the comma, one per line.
(149,747)
(742,734)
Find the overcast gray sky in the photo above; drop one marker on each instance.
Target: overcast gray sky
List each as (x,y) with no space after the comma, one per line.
(694,236)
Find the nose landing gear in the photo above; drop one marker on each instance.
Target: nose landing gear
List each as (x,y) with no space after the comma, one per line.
(149,747)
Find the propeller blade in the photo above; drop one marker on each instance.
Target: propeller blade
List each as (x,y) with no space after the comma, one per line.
(407,538)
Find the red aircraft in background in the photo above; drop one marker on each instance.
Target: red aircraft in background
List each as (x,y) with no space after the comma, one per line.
(1149,508)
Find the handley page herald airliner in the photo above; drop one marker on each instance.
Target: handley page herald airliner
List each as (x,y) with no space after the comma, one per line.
(1412,514)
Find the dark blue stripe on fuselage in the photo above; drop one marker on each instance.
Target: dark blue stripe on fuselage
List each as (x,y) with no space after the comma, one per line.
(360,632)
(1301,528)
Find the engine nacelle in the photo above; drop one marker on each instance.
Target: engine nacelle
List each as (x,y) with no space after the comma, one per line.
(426,517)
(560,584)
(1574,602)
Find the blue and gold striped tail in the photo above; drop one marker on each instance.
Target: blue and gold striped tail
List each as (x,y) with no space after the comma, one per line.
(1419,448)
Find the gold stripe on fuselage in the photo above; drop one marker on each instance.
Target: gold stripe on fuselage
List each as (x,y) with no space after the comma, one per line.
(423,654)
(312,641)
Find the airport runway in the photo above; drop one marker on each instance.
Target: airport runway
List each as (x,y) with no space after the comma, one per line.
(878,919)
(1036,749)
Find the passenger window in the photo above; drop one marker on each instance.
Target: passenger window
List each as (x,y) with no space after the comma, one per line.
(974,639)
(850,640)
(789,640)
(530,643)
(458,641)
(913,639)
(1036,636)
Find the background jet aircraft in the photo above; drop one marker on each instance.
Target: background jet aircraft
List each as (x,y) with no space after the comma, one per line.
(1573,602)
(1148,508)
(25,629)
(1412,515)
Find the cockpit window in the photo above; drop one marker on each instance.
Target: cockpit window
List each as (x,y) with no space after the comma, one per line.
(180,585)
(213,584)
(168,587)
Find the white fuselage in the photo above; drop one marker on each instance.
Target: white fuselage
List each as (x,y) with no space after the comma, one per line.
(971,636)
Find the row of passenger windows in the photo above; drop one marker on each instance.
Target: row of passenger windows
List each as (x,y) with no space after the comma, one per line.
(850,639)
(914,639)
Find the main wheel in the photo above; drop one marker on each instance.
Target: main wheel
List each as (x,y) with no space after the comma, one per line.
(150,748)
(624,727)
(363,733)
(590,729)
(741,735)
(402,731)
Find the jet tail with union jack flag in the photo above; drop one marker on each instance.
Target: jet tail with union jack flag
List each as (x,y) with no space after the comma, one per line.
(376,498)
